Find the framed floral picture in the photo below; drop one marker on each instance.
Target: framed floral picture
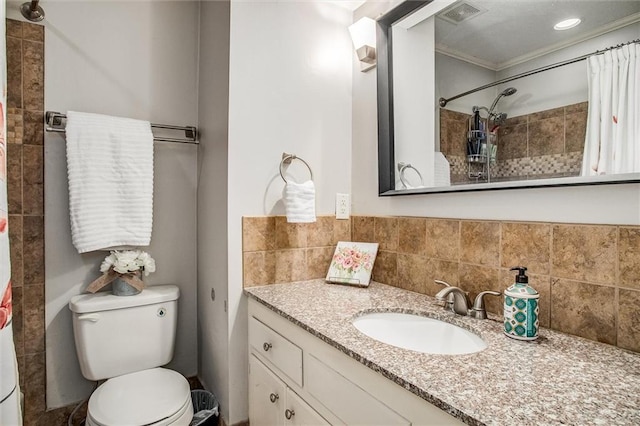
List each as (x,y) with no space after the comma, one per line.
(352,263)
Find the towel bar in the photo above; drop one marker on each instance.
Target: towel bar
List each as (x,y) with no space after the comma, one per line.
(286,159)
(55,124)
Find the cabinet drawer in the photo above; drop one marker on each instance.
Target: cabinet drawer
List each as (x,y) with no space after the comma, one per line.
(345,399)
(284,355)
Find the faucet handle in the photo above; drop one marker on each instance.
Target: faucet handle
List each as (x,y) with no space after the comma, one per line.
(442,283)
(479,310)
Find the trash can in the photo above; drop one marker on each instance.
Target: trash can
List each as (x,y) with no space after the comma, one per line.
(205,408)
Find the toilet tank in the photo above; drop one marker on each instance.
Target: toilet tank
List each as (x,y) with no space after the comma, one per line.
(116,335)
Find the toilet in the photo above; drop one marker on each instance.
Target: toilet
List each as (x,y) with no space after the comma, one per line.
(126,340)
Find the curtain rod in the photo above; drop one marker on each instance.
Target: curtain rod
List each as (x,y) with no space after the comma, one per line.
(54,124)
(443,102)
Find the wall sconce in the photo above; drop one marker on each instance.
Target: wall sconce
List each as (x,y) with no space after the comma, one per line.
(363,34)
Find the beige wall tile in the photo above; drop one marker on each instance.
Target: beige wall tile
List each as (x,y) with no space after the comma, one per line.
(33,75)
(34,387)
(475,279)
(513,141)
(386,233)
(33,249)
(412,272)
(575,131)
(629,257)
(341,230)
(629,320)
(385,268)
(442,270)
(318,261)
(259,268)
(443,239)
(33,179)
(34,318)
(546,136)
(411,235)
(584,253)
(33,128)
(290,235)
(258,233)
(14,178)
(526,244)
(583,309)
(320,233)
(362,229)
(33,32)
(15,243)
(480,243)
(18,320)
(15,125)
(14,28)
(14,72)
(291,265)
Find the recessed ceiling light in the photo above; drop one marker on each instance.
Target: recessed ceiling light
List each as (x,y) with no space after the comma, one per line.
(566,24)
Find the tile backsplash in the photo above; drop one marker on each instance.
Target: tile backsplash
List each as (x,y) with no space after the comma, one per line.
(541,145)
(588,276)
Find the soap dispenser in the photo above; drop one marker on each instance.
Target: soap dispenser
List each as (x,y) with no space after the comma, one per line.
(521,309)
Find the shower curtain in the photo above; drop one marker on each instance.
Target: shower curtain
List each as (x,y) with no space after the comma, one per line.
(612,143)
(9,391)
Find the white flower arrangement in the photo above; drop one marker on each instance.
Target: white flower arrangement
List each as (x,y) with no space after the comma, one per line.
(129,262)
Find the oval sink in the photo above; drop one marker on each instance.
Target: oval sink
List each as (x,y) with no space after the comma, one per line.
(419,333)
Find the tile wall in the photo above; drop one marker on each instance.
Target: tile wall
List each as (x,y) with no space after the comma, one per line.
(25,180)
(588,275)
(541,145)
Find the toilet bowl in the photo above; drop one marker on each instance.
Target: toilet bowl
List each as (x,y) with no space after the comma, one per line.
(126,340)
(158,397)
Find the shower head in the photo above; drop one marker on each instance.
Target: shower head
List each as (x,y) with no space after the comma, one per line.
(506,92)
(32,11)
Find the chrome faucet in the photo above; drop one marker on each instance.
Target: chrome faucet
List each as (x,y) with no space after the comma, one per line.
(458,301)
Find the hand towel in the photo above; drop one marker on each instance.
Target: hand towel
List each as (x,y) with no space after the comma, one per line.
(442,176)
(300,202)
(110,171)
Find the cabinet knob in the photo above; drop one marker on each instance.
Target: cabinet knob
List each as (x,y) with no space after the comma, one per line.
(289,413)
(266,346)
(274,397)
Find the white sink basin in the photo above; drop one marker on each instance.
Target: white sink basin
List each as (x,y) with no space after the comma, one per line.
(419,333)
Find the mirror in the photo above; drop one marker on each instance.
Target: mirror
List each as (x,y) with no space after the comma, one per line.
(485,94)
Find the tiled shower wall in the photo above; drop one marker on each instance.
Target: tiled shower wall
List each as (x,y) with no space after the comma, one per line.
(541,145)
(588,275)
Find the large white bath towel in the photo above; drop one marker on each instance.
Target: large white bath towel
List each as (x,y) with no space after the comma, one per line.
(300,202)
(110,169)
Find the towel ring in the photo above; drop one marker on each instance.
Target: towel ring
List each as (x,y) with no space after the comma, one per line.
(402,167)
(286,159)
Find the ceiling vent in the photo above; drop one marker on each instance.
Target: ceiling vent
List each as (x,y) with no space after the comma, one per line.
(460,12)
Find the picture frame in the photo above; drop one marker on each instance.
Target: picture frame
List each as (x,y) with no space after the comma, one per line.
(352,263)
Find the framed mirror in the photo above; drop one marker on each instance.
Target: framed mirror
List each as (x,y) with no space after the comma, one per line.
(485,94)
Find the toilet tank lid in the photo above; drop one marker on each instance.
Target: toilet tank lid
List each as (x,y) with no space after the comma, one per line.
(105,301)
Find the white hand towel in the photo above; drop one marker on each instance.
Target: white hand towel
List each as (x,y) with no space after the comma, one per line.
(300,202)
(442,176)
(110,170)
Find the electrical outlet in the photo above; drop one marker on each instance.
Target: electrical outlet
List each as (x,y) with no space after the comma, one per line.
(343,206)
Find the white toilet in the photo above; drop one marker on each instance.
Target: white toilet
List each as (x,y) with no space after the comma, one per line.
(126,340)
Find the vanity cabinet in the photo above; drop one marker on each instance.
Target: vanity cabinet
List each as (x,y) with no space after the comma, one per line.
(297,379)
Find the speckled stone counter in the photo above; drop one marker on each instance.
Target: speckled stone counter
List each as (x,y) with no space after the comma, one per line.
(557,379)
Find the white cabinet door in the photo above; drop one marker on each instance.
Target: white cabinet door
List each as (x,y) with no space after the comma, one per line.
(267,395)
(299,413)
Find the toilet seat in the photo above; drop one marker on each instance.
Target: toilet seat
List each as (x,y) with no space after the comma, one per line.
(157,397)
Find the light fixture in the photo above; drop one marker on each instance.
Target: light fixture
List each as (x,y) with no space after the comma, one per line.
(363,34)
(567,23)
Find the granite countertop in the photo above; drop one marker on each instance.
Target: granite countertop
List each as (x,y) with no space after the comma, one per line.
(557,379)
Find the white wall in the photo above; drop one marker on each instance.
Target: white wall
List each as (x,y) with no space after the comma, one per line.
(613,204)
(213,115)
(133,59)
(290,90)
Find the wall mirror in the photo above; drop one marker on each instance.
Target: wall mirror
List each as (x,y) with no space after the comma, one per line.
(486,94)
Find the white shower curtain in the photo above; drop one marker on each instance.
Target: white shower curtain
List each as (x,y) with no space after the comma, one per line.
(612,143)
(9,391)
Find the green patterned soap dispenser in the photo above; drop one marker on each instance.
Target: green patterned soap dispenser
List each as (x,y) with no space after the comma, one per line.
(521,308)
